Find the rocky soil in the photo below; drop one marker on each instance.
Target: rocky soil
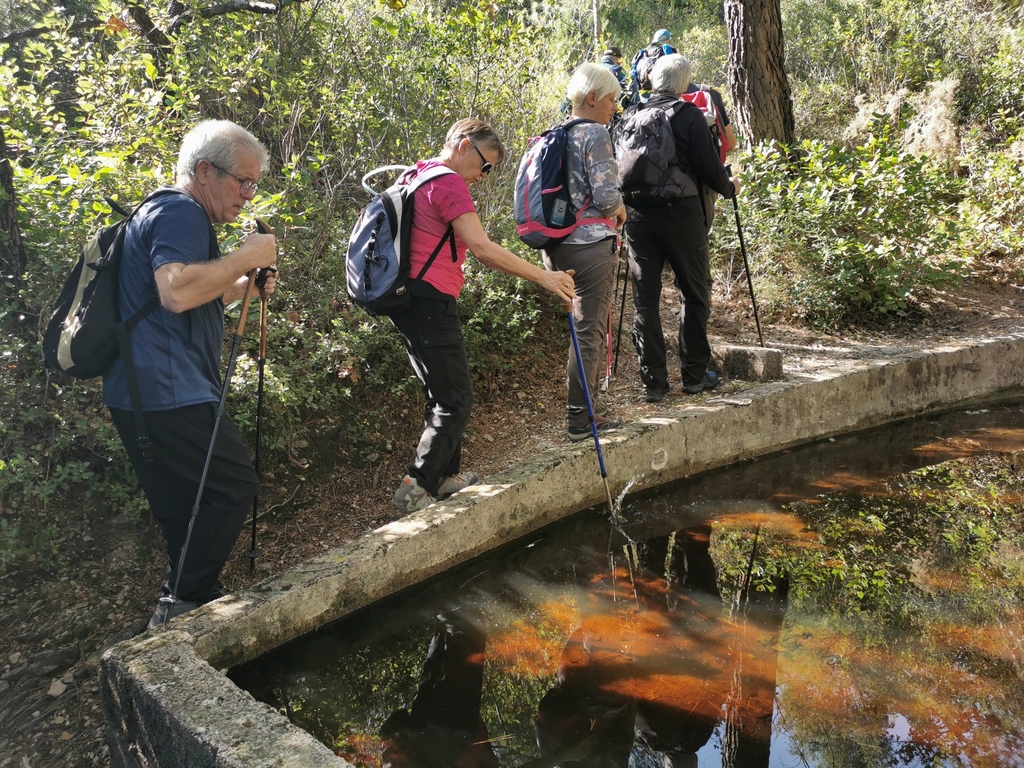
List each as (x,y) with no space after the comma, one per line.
(57,617)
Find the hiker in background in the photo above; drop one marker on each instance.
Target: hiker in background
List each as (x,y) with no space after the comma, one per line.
(643,63)
(612,59)
(673,230)
(590,251)
(170,250)
(431,329)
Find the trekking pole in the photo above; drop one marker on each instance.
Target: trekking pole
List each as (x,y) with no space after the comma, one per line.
(607,354)
(608,333)
(236,342)
(261,283)
(622,312)
(746,264)
(590,413)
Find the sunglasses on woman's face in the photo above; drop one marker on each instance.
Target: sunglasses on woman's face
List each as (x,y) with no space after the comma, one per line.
(486,167)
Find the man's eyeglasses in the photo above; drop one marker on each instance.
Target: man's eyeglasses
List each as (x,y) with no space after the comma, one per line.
(486,167)
(246,187)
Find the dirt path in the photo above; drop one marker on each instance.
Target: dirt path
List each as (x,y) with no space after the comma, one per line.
(56,618)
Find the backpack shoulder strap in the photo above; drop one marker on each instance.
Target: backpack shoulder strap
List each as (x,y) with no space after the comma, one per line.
(575,122)
(428,175)
(673,108)
(420,179)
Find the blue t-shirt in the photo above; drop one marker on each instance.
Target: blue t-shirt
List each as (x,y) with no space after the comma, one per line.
(176,355)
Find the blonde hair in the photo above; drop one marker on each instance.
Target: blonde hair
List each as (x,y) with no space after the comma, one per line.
(478,132)
(591,77)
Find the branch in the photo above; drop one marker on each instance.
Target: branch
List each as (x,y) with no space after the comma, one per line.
(226,6)
(34,32)
(180,14)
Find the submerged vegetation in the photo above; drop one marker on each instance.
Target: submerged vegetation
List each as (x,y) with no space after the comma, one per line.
(895,186)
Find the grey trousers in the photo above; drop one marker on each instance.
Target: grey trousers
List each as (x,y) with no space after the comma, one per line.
(594,266)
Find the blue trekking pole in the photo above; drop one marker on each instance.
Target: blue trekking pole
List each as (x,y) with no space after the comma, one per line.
(590,412)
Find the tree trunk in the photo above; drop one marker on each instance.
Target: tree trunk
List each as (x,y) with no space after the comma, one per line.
(12,251)
(762,101)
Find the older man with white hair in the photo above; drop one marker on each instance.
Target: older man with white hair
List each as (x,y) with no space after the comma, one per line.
(670,226)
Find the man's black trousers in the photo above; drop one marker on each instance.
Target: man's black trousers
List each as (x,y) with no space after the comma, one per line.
(681,240)
(181,439)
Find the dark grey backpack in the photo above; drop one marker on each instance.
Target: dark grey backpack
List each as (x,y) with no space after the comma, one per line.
(645,151)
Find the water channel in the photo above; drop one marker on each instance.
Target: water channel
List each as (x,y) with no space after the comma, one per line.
(853,602)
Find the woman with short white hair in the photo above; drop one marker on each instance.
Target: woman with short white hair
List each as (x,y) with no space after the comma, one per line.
(589,251)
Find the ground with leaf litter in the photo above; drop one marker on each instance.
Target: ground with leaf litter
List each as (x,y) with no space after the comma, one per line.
(57,618)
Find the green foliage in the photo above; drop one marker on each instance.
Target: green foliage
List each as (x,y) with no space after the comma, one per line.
(961,513)
(333,90)
(849,234)
(996,105)
(992,211)
(337,88)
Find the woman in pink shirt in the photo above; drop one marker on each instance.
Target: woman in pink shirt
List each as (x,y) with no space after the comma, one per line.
(445,221)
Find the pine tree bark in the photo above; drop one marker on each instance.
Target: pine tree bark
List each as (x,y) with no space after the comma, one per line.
(762,100)
(12,250)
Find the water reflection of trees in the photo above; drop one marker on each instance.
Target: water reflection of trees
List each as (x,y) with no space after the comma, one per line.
(904,637)
(902,644)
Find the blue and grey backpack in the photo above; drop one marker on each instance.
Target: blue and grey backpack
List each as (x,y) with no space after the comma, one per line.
(377,261)
(543,206)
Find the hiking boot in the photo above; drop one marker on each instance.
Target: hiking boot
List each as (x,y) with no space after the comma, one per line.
(454,483)
(410,496)
(167,609)
(708,381)
(603,424)
(655,394)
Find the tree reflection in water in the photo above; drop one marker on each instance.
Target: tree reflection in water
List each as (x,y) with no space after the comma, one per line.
(902,646)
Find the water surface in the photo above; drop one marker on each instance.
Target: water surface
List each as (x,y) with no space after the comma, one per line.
(854,602)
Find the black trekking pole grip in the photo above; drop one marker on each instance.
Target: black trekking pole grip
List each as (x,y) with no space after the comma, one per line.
(264,272)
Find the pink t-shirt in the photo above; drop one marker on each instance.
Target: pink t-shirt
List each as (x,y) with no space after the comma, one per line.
(435,205)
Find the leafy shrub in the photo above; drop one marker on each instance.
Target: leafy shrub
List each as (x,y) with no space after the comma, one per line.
(845,234)
(993,208)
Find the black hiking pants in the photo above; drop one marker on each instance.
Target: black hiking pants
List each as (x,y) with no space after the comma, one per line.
(432,332)
(181,439)
(678,238)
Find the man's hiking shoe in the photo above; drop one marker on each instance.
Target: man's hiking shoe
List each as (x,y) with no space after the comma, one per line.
(655,394)
(166,610)
(709,381)
(410,496)
(603,424)
(455,483)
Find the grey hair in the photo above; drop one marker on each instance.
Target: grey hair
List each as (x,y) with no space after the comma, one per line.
(591,77)
(218,142)
(671,74)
